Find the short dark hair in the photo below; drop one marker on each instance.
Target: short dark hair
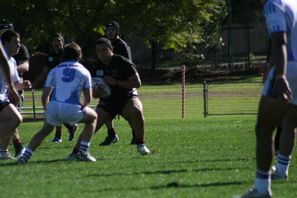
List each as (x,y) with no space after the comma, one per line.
(58,35)
(8,35)
(6,25)
(72,51)
(104,41)
(113,24)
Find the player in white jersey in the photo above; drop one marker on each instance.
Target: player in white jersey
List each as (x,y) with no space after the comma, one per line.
(61,101)
(11,44)
(279,99)
(10,118)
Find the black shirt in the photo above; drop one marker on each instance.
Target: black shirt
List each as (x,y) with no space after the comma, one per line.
(54,59)
(22,55)
(120,68)
(120,47)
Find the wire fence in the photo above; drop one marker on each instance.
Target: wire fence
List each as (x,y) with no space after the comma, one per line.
(231,98)
(174,101)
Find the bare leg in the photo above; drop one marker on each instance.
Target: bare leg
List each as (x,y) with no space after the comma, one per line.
(10,120)
(58,134)
(110,128)
(268,119)
(89,128)
(40,136)
(287,138)
(133,113)
(18,147)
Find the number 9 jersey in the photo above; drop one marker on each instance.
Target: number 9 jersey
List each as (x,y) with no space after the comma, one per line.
(67,80)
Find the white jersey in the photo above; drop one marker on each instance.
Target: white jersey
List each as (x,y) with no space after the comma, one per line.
(14,77)
(67,80)
(281,16)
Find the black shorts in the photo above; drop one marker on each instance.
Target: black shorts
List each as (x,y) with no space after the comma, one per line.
(3,104)
(114,107)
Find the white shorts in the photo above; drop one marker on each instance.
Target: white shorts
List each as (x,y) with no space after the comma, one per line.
(292,79)
(56,113)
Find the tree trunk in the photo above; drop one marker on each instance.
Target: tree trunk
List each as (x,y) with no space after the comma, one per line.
(154,54)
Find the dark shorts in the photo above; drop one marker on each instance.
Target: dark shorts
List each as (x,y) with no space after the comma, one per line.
(114,107)
(3,104)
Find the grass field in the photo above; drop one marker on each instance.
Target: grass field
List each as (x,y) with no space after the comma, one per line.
(191,157)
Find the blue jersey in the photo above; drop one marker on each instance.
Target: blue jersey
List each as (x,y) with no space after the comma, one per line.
(67,80)
(281,16)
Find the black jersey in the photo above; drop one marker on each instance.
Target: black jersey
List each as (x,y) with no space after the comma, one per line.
(120,47)
(54,59)
(22,55)
(120,68)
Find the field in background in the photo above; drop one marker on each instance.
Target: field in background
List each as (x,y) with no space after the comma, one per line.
(237,97)
(192,157)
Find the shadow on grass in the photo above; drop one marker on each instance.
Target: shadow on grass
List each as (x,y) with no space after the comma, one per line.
(45,162)
(214,184)
(244,159)
(166,172)
(178,185)
(14,163)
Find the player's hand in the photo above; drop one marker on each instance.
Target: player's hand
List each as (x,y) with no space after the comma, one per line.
(27,84)
(13,94)
(282,90)
(98,91)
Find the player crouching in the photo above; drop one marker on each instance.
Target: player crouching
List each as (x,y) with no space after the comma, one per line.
(61,101)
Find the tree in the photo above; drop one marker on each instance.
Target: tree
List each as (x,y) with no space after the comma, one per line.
(174,24)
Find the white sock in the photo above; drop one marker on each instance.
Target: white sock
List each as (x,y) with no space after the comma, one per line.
(27,154)
(84,146)
(283,163)
(262,181)
(3,152)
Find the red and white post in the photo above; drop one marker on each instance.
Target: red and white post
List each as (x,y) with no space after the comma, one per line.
(183,82)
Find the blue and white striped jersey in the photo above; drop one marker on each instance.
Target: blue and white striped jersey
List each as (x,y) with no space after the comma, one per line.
(281,16)
(67,80)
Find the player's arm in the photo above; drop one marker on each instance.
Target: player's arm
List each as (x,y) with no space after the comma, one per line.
(279,60)
(45,97)
(125,51)
(41,76)
(23,66)
(131,82)
(96,92)
(87,96)
(23,85)
(23,60)
(279,52)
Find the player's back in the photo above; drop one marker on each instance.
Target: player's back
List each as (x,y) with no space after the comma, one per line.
(281,16)
(68,79)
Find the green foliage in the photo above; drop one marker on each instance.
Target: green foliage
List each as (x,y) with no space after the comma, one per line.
(175,24)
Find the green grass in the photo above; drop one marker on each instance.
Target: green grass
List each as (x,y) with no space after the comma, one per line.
(191,157)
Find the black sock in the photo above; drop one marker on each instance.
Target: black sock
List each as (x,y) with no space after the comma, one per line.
(111,132)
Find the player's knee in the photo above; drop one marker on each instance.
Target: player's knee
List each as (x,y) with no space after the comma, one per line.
(263,132)
(136,109)
(17,120)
